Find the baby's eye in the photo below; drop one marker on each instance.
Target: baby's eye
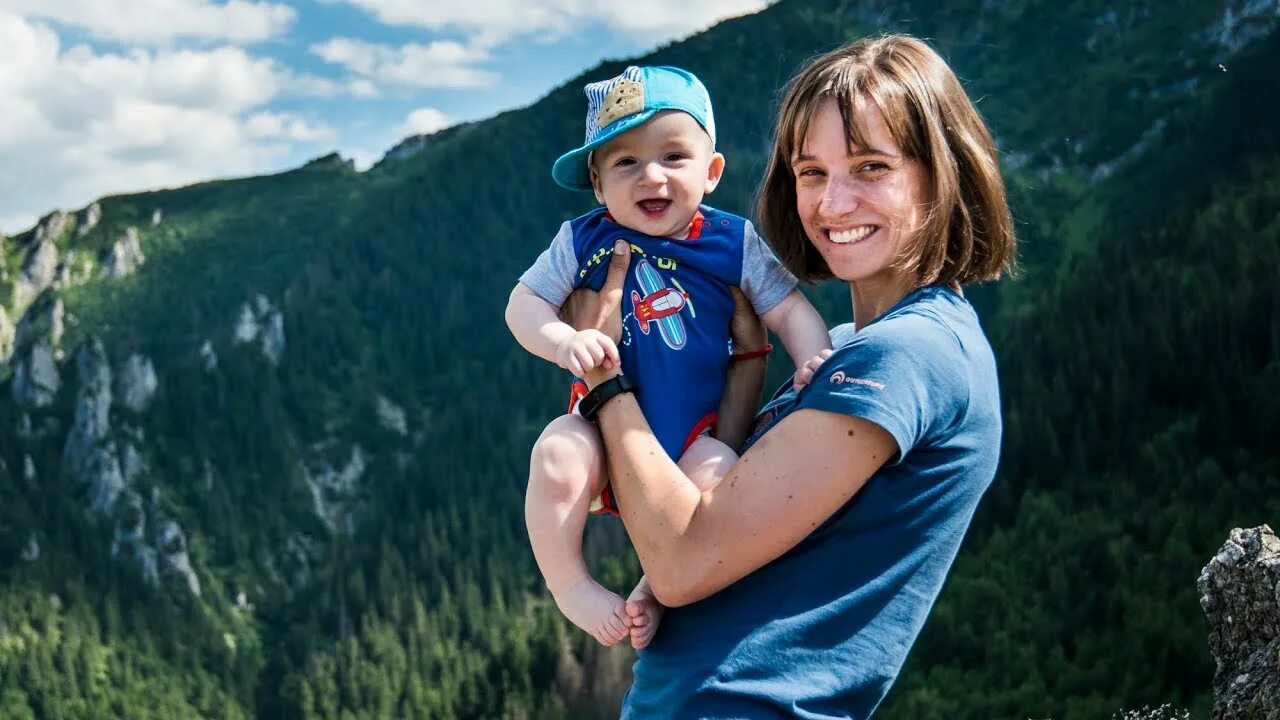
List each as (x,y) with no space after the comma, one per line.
(624,162)
(674,157)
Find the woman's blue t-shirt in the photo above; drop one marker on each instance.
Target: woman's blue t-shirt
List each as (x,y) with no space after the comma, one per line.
(822,631)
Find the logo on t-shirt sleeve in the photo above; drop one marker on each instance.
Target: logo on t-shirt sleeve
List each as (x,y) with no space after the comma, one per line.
(839,378)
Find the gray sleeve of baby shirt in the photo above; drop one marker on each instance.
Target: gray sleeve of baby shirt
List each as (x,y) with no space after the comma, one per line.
(551,275)
(765,281)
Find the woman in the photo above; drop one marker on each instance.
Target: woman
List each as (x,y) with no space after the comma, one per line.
(797,585)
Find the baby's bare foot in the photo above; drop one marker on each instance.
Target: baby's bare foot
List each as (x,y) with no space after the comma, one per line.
(600,613)
(645,612)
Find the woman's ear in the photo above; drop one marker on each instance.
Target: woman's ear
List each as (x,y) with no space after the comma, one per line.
(714,172)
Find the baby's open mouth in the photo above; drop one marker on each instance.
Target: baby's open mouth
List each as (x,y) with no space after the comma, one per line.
(654,207)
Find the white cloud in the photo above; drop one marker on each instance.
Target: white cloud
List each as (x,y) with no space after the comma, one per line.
(285,126)
(158,21)
(443,63)
(78,124)
(371,147)
(423,121)
(491,21)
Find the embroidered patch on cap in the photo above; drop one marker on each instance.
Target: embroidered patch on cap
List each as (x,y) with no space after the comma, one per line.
(626,98)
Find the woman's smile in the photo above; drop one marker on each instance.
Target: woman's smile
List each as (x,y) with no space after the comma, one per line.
(852,235)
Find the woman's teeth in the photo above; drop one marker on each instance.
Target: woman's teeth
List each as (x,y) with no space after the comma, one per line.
(841,237)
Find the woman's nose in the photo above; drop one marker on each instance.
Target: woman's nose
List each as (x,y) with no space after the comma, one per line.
(839,199)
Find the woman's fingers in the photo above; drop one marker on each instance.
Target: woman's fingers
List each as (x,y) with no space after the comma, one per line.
(745,327)
(609,320)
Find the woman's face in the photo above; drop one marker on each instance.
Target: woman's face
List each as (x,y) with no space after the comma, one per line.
(860,207)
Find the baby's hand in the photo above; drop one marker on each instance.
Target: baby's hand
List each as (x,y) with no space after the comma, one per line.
(805,374)
(587,349)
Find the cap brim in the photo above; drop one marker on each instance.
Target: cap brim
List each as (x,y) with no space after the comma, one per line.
(570,169)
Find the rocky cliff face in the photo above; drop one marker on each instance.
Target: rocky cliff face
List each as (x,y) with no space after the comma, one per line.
(1240,594)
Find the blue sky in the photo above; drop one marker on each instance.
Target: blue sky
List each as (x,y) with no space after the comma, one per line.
(114,96)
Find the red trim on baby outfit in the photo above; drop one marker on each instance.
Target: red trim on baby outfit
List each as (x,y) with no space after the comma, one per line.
(577,391)
(705,425)
(695,227)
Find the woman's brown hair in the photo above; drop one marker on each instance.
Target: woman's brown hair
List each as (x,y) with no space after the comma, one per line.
(968,233)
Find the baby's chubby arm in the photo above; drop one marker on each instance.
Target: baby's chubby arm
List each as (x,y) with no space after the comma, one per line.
(799,326)
(536,327)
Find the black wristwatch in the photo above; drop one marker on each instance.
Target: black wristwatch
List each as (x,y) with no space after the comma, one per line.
(591,403)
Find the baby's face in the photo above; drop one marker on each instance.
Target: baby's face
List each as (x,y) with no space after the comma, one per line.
(652,178)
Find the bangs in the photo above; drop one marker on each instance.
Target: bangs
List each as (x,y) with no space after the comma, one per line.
(853,86)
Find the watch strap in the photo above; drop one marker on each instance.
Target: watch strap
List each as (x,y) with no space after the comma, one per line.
(595,399)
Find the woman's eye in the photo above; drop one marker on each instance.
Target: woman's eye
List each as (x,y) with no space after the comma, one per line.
(873,167)
(809,172)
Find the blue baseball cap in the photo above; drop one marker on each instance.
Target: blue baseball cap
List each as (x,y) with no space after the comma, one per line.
(619,104)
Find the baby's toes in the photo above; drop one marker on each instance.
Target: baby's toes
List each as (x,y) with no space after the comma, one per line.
(635,610)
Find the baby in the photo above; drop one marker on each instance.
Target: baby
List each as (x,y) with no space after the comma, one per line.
(649,157)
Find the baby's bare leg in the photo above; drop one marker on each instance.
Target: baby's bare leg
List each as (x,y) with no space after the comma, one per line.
(566,471)
(705,463)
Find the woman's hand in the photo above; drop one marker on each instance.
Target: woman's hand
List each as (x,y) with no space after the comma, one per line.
(747,330)
(586,309)
(589,310)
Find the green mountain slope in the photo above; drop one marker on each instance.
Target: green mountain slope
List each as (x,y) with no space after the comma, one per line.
(310,506)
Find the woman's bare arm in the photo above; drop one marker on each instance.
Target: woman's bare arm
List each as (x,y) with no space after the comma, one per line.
(694,544)
(744,380)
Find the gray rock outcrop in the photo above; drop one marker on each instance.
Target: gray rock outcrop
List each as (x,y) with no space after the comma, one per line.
(1240,594)
(136,383)
(391,416)
(35,375)
(53,226)
(261,322)
(172,548)
(6,336)
(90,454)
(31,552)
(273,338)
(334,490)
(208,357)
(34,353)
(125,255)
(44,320)
(89,219)
(73,270)
(39,268)
(110,463)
